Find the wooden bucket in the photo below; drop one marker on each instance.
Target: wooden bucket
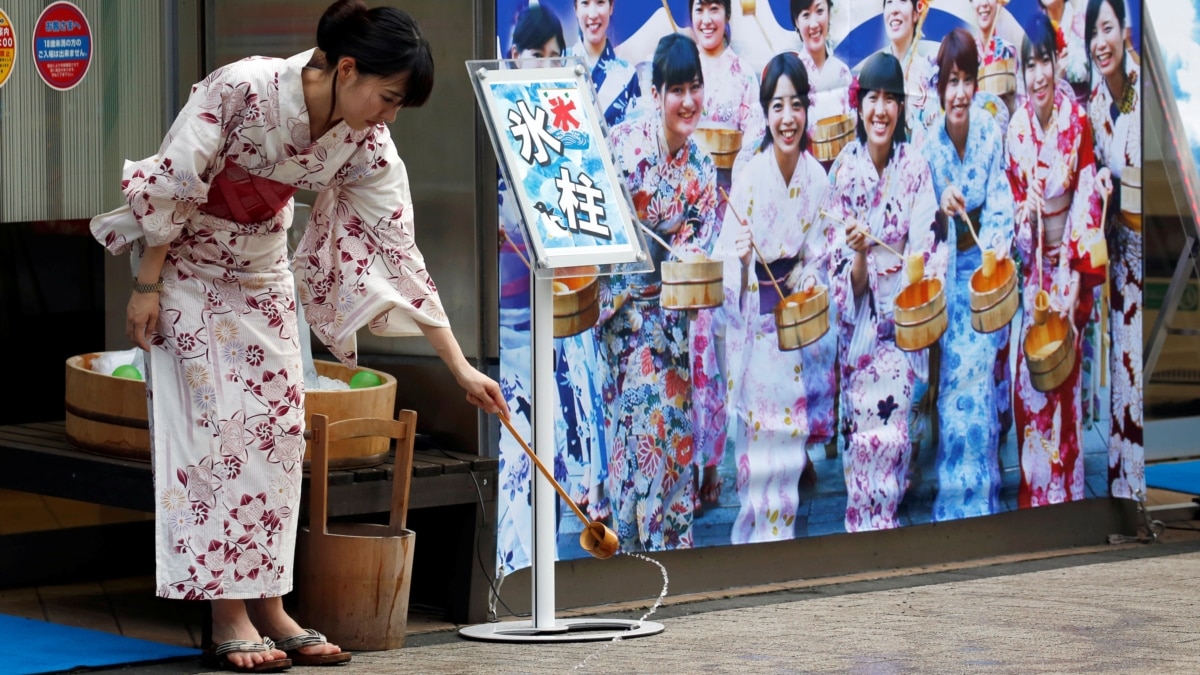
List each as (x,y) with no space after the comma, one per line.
(1131,197)
(998,77)
(920,315)
(830,135)
(994,298)
(722,145)
(802,318)
(353,579)
(692,285)
(344,404)
(106,415)
(576,306)
(1050,353)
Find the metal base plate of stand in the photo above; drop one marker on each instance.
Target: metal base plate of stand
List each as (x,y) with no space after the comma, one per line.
(563,630)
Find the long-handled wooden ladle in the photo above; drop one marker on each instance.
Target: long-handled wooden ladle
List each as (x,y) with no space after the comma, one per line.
(596,538)
(749,8)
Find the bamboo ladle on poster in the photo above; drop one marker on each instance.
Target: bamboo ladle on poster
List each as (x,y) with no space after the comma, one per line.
(761,257)
(914,264)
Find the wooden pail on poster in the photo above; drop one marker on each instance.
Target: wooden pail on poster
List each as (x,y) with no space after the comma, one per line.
(920,315)
(830,135)
(1131,197)
(994,296)
(999,77)
(696,284)
(802,318)
(576,304)
(353,579)
(106,415)
(722,145)
(1050,352)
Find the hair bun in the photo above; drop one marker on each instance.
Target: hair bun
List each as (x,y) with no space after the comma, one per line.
(342,18)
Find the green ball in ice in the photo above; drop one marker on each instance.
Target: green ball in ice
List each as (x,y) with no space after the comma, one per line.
(364,379)
(127,372)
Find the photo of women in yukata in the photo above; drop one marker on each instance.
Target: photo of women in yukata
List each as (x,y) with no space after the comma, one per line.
(975,133)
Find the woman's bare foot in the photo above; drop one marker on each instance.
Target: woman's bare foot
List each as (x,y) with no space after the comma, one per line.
(231,622)
(269,616)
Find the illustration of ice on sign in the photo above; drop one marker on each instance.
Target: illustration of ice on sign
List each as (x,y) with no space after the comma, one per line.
(560,167)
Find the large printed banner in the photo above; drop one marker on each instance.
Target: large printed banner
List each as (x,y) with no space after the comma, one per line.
(897,268)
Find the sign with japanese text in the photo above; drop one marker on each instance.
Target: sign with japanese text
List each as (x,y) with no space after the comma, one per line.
(62,46)
(547,134)
(8,49)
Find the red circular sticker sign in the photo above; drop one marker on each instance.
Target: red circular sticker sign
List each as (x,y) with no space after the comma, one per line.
(8,48)
(62,45)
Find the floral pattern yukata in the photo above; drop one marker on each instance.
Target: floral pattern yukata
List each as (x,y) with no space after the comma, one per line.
(922,109)
(829,89)
(1049,425)
(767,387)
(997,49)
(224,382)
(648,383)
(878,379)
(1119,145)
(731,102)
(968,466)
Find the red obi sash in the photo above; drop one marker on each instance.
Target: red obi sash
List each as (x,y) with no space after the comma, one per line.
(241,197)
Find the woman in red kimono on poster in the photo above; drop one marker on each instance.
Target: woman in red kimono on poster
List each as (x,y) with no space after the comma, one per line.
(1053,174)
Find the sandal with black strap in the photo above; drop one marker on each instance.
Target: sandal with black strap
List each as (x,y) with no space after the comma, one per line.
(310,638)
(219,657)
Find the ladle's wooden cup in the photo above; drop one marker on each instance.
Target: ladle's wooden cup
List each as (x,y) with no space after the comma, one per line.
(1041,307)
(915,268)
(598,540)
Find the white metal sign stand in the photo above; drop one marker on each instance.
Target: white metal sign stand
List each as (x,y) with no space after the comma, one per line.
(511,96)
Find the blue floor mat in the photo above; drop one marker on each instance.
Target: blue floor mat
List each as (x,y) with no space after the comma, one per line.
(39,647)
(1175,476)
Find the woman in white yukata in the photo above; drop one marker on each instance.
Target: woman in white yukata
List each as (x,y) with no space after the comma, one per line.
(967,161)
(647,386)
(779,195)
(214,304)
(1115,113)
(829,95)
(1052,170)
(880,184)
(537,34)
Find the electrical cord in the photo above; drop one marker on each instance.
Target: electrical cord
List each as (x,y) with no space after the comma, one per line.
(493,617)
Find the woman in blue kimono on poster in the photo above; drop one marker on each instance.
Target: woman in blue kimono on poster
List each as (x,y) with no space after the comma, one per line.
(879,184)
(966,158)
(616,82)
(648,383)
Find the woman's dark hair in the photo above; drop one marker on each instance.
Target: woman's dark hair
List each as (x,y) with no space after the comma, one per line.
(881,72)
(802,6)
(534,28)
(958,50)
(1090,17)
(786,65)
(1041,41)
(676,61)
(384,42)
